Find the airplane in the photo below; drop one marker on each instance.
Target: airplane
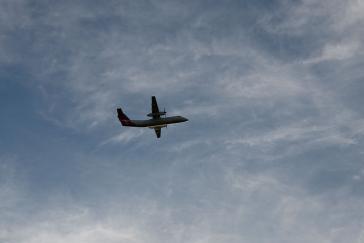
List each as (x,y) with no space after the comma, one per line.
(156,122)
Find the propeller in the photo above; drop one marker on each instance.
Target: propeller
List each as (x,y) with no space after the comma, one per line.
(165,115)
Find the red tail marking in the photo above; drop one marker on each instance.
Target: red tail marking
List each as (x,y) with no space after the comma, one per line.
(125,121)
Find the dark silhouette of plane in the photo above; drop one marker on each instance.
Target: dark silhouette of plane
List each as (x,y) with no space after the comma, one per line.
(156,122)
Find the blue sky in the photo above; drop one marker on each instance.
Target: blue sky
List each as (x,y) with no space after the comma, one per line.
(273,150)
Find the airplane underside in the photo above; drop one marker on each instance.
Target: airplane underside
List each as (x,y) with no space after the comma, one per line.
(156,123)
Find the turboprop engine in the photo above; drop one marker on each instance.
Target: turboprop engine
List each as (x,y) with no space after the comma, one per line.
(160,113)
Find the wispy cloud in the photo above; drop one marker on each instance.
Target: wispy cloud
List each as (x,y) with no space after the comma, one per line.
(272,151)
(124,137)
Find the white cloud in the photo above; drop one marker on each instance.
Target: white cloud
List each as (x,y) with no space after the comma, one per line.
(219,78)
(321,134)
(294,215)
(233,206)
(352,14)
(125,137)
(268,82)
(336,24)
(11,184)
(72,226)
(338,52)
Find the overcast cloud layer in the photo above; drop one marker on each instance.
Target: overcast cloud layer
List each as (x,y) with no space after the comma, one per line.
(273,150)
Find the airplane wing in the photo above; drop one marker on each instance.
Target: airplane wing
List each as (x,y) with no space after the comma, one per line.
(158,132)
(155,109)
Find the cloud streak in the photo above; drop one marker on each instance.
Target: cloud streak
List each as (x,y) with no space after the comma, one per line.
(272,151)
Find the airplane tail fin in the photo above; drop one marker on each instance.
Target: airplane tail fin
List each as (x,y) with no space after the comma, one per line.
(125,121)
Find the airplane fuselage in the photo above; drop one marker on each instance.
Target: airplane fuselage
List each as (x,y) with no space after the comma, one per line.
(160,122)
(157,122)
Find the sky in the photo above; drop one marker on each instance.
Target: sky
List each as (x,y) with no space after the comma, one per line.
(272,152)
